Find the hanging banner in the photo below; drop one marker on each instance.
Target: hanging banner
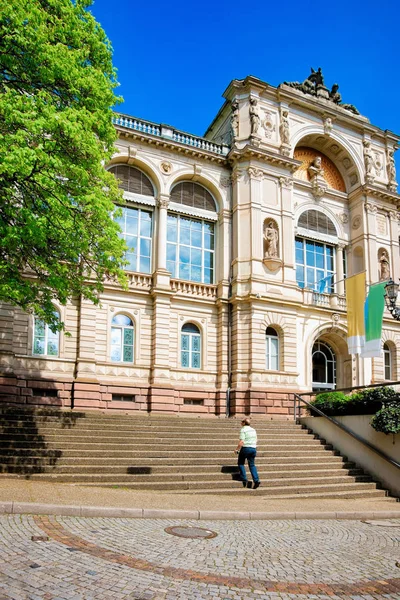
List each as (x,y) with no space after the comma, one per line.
(355,298)
(373,317)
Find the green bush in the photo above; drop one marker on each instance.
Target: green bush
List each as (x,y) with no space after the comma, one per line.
(387,419)
(364,402)
(330,403)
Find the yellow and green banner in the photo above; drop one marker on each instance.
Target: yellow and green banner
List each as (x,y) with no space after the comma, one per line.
(355,298)
(373,317)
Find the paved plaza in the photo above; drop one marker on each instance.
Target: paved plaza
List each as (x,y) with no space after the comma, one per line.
(76,558)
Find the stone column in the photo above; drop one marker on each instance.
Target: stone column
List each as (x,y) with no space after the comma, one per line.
(287,232)
(340,270)
(161,275)
(394,245)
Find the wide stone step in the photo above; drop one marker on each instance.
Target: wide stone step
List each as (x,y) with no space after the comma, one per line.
(190,473)
(183,482)
(285,495)
(166,465)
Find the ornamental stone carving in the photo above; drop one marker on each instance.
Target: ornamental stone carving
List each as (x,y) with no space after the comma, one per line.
(268,124)
(328,125)
(314,86)
(344,217)
(163,202)
(384,268)
(235,120)
(316,176)
(371,208)
(254,116)
(284,128)
(391,170)
(369,162)
(286,182)
(255,173)
(236,175)
(166,167)
(271,239)
(356,222)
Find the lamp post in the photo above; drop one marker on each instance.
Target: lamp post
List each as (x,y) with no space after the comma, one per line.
(391,291)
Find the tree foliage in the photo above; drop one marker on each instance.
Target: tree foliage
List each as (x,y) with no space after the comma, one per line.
(57,235)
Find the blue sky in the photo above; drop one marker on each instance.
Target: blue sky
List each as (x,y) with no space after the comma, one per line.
(176,58)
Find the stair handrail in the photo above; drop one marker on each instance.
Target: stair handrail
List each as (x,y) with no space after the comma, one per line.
(312,408)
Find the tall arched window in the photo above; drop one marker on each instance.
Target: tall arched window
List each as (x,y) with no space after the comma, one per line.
(135,223)
(387,357)
(122,339)
(271,350)
(45,341)
(315,251)
(190,346)
(323,367)
(191,239)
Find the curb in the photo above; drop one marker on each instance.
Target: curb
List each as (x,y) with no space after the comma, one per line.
(30,508)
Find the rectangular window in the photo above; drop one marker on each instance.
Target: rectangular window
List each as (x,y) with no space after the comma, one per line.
(315,266)
(123,397)
(190,249)
(136,230)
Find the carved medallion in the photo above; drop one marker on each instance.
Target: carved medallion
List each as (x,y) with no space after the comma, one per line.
(166,167)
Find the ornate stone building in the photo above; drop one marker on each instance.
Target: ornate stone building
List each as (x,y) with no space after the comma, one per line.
(239,246)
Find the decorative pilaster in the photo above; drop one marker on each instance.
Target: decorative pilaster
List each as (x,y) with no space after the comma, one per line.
(339,269)
(161,275)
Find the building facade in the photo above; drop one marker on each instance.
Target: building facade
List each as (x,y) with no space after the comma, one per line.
(239,248)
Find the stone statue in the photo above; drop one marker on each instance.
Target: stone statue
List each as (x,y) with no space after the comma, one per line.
(391,167)
(271,238)
(235,119)
(334,94)
(315,169)
(328,125)
(284,127)
(368,161)
(314,85)
(384,263)
(254,116)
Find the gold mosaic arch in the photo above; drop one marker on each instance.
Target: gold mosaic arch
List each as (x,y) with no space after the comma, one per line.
(331,174)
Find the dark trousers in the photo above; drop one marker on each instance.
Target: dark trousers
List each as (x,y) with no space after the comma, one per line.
(248,454)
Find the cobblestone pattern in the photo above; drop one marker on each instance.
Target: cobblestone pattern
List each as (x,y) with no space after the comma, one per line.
(118,559)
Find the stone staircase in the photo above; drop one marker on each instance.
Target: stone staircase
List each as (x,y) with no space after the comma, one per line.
(181,454)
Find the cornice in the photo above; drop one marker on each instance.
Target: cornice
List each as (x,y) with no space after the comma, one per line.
(159,142)
(375,192)
(272,158)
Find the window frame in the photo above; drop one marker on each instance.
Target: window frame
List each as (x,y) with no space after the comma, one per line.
(387,365)
(48,337)
(139,237)
(269,356)
(178,246)
(326,385)
(331,284)
(122,328)
(192,336)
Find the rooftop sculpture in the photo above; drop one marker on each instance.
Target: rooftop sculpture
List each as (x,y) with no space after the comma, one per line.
(314,86)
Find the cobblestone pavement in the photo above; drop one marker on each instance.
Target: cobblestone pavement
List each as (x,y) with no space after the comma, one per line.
(74,558)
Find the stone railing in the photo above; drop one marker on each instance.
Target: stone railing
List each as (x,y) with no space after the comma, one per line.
(140,280)
(169,133)
(190,288)
(137,125)
(329,300)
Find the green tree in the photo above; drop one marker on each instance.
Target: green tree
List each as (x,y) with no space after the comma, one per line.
(58,238)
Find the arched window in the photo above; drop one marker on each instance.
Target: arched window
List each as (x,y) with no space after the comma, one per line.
(323,367)
(271,350)
(191,240)
(194,195)
(132,180)
(190,347)
(136,223)
(315,252)
(122,339)
(45,341)
(387,358)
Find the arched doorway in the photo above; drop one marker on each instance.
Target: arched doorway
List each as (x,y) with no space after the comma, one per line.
(323,367)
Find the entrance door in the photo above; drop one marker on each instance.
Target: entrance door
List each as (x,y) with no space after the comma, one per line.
(323,367)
